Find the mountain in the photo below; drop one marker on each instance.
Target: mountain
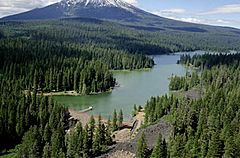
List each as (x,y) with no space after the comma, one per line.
(118,12)
(114,10)
(100,9)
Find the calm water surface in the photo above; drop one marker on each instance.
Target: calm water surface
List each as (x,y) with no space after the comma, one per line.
(136,87)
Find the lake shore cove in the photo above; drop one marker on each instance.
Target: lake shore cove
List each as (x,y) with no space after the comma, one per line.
(135,87)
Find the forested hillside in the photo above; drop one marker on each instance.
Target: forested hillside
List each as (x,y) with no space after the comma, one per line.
(206,127)
(130,38)
(78,55)
(46,66)
(33,64)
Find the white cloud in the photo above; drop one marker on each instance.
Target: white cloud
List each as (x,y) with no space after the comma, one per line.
(191,19)
(226,9)
(186,16)
(169,12)
(8,7)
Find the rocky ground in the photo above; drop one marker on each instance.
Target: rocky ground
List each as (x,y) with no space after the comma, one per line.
(121,154)
(126,139)
(194,94)
(126,145)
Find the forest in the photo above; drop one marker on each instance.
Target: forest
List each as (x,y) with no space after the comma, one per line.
(205,127)
(110,35)
(48,67)
(35,125)
(60,56)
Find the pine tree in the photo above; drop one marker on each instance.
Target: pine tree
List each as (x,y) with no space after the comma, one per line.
(114,121)
(134,113)
(91,131)
(142,150)
(79,139)
(57,142)
(120,119)
(108,133)
(160,150)
(31,144)
(47,151)
(230,148)
(35,84)
(86,145)
(96,143)
(75,81)
(215,146)
(47,133)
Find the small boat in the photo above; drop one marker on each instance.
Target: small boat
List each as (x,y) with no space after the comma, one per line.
(90,108)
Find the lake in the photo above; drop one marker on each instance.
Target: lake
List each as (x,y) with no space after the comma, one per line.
(136,87)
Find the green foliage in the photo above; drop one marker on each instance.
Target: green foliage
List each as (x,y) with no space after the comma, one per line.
(184,83)
(31,144)
(134,112)
(114,121)
(142,150)
(206,127)
(122,37)
(209,60)
(160,149)
(89,141)
(120,119)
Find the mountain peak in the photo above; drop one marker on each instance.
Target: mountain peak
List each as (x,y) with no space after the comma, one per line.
(96,3)
(98,9)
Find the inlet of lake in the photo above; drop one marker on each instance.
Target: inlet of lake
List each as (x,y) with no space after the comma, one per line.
(135,87)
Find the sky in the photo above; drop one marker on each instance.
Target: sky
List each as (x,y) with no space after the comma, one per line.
(213,12)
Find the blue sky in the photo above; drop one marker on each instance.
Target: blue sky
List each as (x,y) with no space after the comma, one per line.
(213,12)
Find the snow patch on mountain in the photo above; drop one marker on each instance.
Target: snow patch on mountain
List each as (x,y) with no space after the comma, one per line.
(97,4)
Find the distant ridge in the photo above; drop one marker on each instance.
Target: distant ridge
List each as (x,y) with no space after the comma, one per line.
(117,11)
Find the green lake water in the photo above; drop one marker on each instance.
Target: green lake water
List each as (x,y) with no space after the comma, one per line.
(136,87)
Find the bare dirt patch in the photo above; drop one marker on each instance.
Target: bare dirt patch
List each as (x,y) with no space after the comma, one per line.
(194,94)
(128,143)
(126,134)
(83,117)
(122,135)
(122,154)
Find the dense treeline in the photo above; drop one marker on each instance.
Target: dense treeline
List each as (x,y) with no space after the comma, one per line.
(34,62)
(19,112)
(41,126)
(111,35)
(47,66)
(207,127)
(209,60)
(184,83)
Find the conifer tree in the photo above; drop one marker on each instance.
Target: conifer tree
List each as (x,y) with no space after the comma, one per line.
(114,121)
(160,149)
(142,150)
(215,146)
(108,133)
(120,119)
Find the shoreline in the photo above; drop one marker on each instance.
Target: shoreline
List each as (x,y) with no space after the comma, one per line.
(128,70)
(74,93)
(84,117)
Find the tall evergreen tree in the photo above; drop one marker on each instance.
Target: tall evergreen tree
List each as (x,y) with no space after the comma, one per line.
(120,119)
(160,149)
(114,121)
(142,150)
